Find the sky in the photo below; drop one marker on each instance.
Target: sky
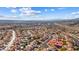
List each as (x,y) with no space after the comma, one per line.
(38,13)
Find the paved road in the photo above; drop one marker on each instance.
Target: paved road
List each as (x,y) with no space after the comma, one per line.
(29,33)
(12,40)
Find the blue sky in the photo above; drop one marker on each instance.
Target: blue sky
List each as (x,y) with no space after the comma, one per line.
(38,13)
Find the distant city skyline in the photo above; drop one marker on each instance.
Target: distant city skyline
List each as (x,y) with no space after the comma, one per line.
(38,13)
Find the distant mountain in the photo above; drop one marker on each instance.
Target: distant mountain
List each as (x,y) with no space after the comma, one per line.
(24,21)
(38,21)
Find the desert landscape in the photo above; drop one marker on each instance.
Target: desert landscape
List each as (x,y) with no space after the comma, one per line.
(39,35)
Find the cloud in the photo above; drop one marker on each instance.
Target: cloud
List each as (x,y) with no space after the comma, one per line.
(1,16)
(49,10)
(28,12)
(52,9)
(76,16)
(61,8)
(5,17)
(45,10)
(14,14)
(11,7)
(13,10)
(74,13)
